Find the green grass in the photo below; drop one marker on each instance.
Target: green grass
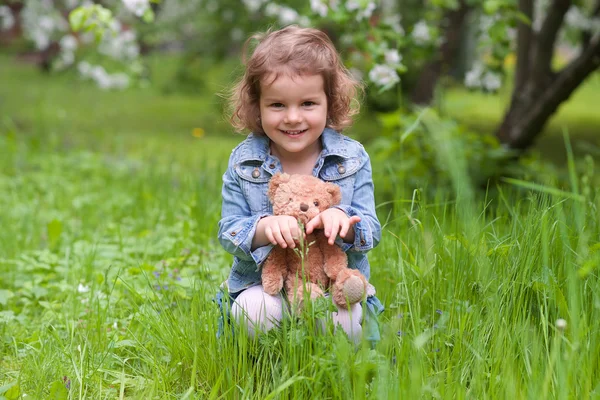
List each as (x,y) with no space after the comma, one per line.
(109,261)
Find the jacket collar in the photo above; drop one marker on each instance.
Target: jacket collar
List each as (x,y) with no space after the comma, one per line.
(256,147)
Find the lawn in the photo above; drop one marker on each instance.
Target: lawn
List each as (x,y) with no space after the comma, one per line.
(109,261)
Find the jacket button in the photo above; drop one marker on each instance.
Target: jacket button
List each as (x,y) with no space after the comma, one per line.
(255,173)
(271,166)
(341,169)
(362,242)
(233,233)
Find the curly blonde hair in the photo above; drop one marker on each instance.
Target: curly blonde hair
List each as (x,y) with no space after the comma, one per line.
(295,51)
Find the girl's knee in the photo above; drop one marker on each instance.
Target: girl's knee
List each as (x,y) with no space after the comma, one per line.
(350,321)
(259,310)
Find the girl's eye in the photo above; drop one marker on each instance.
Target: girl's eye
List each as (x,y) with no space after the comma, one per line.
(308,103)
(316,203)
(276,105)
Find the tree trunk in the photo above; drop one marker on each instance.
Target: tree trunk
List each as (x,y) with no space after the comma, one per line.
(531,108)
(424,89)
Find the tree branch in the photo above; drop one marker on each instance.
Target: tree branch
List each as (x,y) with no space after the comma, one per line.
(546,38)
(523,132)
(524,39)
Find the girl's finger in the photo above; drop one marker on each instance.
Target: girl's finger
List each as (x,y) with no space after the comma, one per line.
(333,230)
(354,220)
(327,225)
(345,227)
(287,236)
(279,239)
(313,224)
(294,230)
(269,235)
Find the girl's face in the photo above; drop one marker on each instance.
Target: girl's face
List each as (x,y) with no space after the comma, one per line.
(293,111)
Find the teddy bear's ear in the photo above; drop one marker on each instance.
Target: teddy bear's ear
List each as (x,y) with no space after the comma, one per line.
(335,193)
(275,181)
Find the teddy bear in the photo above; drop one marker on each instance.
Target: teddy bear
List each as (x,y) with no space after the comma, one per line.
(325,266)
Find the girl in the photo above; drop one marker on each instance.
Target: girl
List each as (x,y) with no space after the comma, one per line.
(295,97)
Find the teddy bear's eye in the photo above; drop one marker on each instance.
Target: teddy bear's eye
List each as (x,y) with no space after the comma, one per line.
(316,203)
(290,199)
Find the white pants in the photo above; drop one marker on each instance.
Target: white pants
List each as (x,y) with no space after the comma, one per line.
(261,311)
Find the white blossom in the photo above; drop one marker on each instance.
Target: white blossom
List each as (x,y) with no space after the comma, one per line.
(478,77)
(561,324)
(352,5)
(137,7)
(491,81)
(392,57)
(365,10)
(420,33)
(84,68)
(383,75)
(285,15)
(319,7)
(41,22)
(100,76)
(103,79)
(7,20)
(82,288)
(393,21)
(122,46)
(304,21)
(67,58)
(473,77)
(253,5)
(574,18)
(68,43)
(288,16)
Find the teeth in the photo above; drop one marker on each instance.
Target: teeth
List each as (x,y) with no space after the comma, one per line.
(294,132)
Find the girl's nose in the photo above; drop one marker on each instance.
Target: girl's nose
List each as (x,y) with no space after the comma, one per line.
(292,116)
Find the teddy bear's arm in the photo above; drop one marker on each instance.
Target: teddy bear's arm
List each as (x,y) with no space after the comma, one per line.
(274,271)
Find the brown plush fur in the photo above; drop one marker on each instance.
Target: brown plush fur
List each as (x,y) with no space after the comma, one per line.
(325,266)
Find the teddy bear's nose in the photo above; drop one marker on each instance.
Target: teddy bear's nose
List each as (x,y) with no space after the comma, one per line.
(303,207)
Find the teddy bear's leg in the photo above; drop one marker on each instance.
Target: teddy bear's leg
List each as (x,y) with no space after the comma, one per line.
(296,289)
(348,286)
(274,271)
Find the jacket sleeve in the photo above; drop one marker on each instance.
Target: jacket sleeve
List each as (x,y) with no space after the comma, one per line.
(238,225)
(368,230)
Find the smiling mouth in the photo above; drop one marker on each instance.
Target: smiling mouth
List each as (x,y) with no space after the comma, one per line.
(293,132)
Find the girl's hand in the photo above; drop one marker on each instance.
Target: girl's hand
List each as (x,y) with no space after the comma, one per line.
(333,221)
(279,230)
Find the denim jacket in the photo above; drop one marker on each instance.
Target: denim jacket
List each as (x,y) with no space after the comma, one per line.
(342,161)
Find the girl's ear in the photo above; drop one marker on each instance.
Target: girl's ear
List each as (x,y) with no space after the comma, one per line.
(335,193)
(275,181)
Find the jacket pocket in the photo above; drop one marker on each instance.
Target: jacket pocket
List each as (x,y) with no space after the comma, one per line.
(254,183)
